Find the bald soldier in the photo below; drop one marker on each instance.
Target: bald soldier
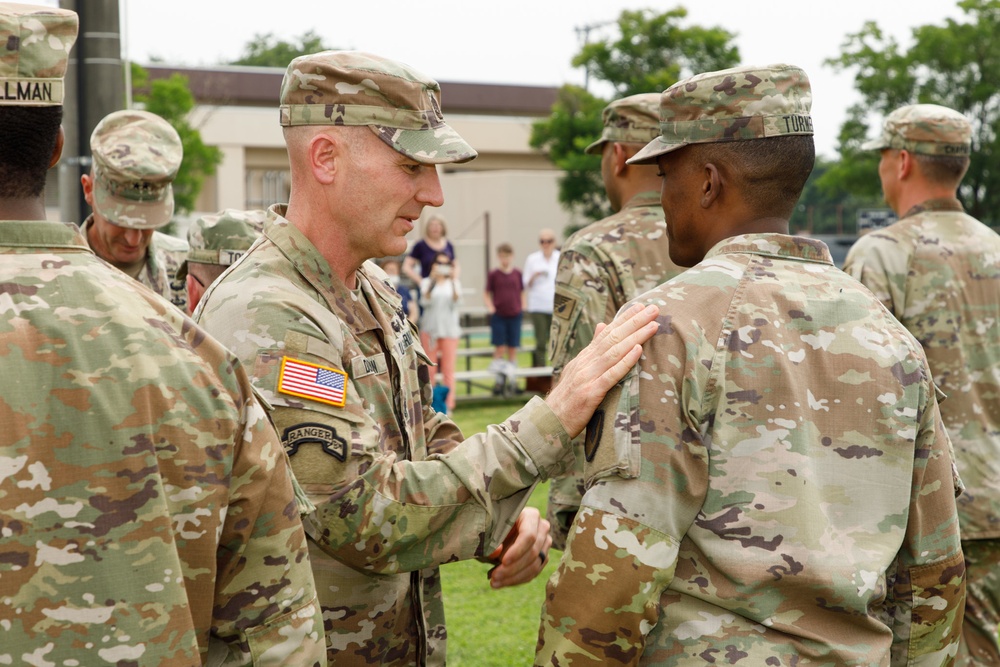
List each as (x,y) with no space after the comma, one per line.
(130,189)
(215,242)
(608,263)
(147,513)
(937,269)
(771,485)
(398,491)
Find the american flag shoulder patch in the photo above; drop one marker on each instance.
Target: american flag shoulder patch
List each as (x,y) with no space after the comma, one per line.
(308,380)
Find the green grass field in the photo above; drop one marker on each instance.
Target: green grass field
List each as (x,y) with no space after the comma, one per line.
(488,628)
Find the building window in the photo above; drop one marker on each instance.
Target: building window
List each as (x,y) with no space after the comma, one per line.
(266,187)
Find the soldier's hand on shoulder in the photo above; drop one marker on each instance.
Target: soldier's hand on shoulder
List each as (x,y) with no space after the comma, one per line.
(607,359)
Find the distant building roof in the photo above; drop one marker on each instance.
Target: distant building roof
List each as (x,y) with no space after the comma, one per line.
(259,86)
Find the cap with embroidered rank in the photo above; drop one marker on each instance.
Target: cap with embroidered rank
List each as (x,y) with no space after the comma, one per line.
(136,158)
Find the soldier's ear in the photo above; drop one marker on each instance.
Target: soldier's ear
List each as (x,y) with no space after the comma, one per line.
(620,155)
(324,149)
(58,149)
(711,186)
(906,163)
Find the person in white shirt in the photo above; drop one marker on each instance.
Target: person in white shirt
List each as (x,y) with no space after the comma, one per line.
(540,284)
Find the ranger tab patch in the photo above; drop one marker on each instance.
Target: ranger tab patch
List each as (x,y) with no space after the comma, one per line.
(325,436)
(308,380)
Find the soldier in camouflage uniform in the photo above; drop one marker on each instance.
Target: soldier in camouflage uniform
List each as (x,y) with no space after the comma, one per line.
(771,485)
(147,513)
(398,491)
(214,243)
(937,270)
(608,263)
(136,157)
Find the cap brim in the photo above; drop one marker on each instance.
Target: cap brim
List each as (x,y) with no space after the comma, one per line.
(133,214)
(440,145)
(874,145)
(595,148)
(653,150)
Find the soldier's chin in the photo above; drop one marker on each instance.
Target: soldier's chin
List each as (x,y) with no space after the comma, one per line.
(131,255)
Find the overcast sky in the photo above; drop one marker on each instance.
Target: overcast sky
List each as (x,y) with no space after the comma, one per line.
(522,41)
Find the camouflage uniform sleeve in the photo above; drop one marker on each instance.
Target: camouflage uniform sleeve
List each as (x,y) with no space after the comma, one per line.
(266,611)
(647,475)
(881,264)
(928,590)
(582,301)
(400,516)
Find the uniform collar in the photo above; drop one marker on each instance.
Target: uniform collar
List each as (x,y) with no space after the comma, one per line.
(41,233)
(351,306)
(647,198)
(942,204)
(774,245)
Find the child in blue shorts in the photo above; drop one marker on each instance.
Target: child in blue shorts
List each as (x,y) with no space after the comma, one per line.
(504,299)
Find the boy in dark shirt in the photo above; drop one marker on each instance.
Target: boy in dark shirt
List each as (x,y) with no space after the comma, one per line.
(504,299)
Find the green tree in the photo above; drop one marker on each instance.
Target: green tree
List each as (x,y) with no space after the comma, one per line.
(266,50)
(171,99)
(648,52)
(823,209)
(957,65)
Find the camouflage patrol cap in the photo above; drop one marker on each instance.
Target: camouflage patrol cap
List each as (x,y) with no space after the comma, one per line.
(929,129)
(222,238)
(632,119)
(738,104)
(400,105)
(34,51)
(136,158)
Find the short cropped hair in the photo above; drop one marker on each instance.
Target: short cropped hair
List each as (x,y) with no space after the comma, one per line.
(505,248)
(27,139)
(943,169)
(771,172)
(206,273)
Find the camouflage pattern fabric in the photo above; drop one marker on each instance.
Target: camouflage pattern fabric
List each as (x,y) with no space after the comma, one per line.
(400,104)
(37,41)
(136,158)
(160,273)
(222,238)
(771,484)
(396,494)
(147,511)
(937,270)
(631,119)
(602,267)
(731,105)
(982,605)
(928,129)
